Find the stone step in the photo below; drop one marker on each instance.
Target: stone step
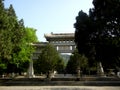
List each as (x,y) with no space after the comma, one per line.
(62,83)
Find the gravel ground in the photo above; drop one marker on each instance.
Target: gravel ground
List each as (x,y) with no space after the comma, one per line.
(59,88)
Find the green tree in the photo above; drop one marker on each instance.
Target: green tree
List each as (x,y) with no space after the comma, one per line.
(5,39)
(77,61)
(107,18)
(26,49)
(48,60)
(98,38)
(31,35)
(15,39)
(16,32)
(83,37)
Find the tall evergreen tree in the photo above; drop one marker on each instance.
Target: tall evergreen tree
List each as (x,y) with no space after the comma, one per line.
(5,51)
(102,31)
(15,49)
(106,15)
(83,37)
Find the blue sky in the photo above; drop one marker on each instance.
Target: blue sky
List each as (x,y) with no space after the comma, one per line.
(57,16)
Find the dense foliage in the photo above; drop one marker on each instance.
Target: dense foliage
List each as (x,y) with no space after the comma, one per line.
(49,60)
(77,61)
(97,35)
(15,49)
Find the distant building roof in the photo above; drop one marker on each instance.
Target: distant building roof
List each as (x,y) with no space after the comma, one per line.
(59,36)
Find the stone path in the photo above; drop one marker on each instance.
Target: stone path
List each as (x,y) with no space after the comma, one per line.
(59,88)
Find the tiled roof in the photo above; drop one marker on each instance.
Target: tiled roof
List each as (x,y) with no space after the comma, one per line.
(59,35)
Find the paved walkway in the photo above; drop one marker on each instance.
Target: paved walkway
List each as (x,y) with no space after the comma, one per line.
(58,88)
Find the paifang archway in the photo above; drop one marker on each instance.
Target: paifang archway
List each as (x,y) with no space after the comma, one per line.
(63,42)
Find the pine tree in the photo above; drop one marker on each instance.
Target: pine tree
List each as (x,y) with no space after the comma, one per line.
(98,38)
